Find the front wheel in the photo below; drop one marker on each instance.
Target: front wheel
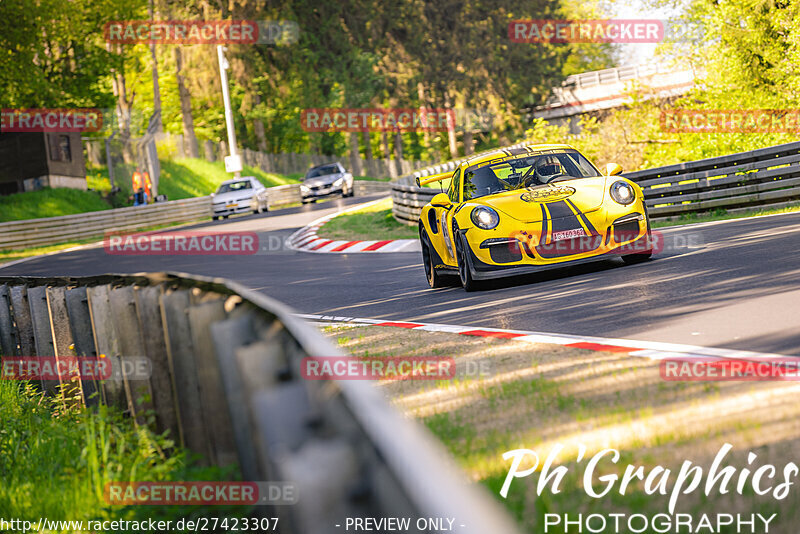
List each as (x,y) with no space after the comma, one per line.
(462,249)
(633,259)
(429,261)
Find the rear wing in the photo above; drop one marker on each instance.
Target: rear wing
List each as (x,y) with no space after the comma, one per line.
(434,178)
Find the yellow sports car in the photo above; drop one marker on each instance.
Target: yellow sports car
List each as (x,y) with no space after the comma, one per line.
(521,210)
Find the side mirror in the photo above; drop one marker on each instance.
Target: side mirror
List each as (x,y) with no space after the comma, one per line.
(441,200)
(613,169)
(417,180)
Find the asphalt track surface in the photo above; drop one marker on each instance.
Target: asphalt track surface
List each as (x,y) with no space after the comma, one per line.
(732,284)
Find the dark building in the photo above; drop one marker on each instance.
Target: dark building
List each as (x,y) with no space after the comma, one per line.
(30,161)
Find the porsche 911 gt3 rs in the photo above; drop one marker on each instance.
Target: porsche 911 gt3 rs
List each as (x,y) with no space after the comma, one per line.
(526,209)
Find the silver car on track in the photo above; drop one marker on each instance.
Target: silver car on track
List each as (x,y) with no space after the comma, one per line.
(239,195)
(325,180)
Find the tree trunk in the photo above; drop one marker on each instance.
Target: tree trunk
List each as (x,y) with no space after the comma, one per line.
(355,158)
(156,90)
(398,151)
(451,128)
(258,128)
(469,143)
(123,109)
(189,138)
(425,132)
(387,151)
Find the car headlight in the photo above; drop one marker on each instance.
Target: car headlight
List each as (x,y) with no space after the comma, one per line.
(338,182)
(622,193)
(484,217)
(304,188)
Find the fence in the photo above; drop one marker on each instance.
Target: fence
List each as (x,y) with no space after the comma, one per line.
(764,178)
(51,230)
(225,380)
(98,152)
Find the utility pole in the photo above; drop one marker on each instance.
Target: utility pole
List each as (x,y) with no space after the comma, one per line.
(233,163)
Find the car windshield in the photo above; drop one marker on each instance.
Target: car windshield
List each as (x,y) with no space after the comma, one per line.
(526,171)
(322,171)
(234,186)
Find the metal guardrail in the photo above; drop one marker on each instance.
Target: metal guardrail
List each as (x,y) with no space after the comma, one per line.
(764,178)
(226,381)
(51,230)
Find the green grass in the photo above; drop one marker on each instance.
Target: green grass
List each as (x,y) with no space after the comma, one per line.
(180,178)
(372,222)
(48,203)
(55,462)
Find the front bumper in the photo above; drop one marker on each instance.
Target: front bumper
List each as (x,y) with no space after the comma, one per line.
(220,210)
(500,257)
(322,192)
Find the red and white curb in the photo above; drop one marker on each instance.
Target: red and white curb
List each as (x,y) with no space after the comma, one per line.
(653,350)
(307,240)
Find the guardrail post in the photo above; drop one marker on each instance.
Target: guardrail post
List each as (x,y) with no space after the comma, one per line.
(106,343)
(228,336)
(126,323)
(178,333)
(22,318)
(8,340)
(63,342)
(148,310)
(42,332)
(212,397)
(80,321)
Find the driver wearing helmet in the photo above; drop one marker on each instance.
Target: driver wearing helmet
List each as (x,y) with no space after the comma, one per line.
(548,168)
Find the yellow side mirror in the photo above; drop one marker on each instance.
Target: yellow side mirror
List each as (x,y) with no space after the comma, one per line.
(441,200)
(613,169)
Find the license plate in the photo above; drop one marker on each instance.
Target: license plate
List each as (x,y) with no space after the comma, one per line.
(569,234)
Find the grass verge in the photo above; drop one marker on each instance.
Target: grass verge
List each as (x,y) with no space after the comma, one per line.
(55,462)
(539,396)
(371,222)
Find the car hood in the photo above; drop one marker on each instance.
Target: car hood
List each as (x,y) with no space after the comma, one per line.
(232,196)
(524,204)
(322,180)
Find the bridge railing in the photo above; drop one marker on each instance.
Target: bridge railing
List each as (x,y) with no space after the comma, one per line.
(226,380)
(757,179)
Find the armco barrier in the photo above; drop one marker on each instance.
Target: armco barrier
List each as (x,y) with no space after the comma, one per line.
(764,178)
(40,232)
(226,381)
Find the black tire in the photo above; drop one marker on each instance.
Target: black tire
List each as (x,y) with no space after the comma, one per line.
(462,248)
(429,257)
(633,259)
(225,216)
(215,217)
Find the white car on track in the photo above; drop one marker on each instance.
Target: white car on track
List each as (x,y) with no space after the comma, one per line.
(239,195)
